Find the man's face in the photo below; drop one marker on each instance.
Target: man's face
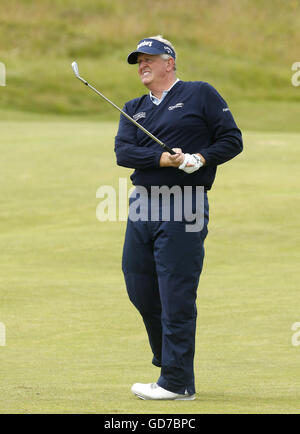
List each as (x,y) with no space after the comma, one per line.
(152,68)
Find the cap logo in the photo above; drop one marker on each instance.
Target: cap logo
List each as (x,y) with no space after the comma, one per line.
(150,46)
(168,49)
(142,44)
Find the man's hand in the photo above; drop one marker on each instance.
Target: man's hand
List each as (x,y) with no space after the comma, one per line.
(168,160)
(187,162)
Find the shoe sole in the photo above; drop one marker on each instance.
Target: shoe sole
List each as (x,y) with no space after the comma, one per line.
(187,398)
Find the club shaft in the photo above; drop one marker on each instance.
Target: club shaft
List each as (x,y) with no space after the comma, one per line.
(166,148)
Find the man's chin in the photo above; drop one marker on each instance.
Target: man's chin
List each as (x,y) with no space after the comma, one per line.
(146,81)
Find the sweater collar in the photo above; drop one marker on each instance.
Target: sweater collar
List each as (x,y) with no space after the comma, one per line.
(157,101)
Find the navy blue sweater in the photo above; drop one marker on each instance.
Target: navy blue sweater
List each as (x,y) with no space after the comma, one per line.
(194,117)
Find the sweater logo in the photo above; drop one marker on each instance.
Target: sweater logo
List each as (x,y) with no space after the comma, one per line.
(139,115)
(178,105)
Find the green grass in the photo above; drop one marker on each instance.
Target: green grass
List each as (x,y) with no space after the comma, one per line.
(74,341)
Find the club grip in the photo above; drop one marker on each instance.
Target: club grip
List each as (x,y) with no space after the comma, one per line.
(166,148)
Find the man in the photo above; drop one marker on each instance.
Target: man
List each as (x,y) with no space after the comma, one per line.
(162,260)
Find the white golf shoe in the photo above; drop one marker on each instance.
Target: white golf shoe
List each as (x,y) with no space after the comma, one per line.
(154,391)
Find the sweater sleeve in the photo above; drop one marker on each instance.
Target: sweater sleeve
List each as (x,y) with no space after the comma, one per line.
(128,152)
(226,138)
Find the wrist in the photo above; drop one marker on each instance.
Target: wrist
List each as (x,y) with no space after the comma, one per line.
(203,161)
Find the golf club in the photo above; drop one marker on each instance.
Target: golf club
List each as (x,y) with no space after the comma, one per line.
(166,148)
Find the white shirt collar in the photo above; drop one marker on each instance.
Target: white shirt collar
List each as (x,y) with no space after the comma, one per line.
(157,101)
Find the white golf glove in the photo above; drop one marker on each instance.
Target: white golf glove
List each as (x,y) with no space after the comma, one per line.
(191,159)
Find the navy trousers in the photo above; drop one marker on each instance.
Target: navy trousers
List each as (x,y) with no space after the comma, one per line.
(162,263)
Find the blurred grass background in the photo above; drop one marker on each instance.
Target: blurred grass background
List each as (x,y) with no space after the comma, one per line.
(74,342)
(245,48)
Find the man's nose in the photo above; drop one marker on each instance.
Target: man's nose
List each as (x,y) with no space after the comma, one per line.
(142,64)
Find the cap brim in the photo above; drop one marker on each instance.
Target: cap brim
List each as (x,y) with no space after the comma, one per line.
(132,57)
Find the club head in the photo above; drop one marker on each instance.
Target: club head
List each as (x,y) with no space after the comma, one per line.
(75,69)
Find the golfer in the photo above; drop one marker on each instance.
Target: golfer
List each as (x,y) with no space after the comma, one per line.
(162,260)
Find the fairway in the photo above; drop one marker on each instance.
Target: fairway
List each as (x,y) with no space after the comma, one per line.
(75,344)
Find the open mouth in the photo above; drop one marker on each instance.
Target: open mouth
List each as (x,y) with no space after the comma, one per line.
(146,73)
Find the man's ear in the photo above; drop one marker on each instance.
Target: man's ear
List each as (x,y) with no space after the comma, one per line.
(170,64)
